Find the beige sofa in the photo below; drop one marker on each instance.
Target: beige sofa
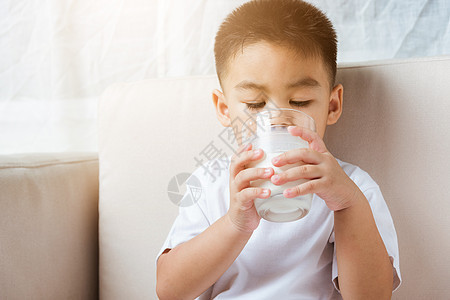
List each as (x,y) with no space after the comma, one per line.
(395,125)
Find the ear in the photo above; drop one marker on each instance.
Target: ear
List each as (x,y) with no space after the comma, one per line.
(222,112)
(335,104)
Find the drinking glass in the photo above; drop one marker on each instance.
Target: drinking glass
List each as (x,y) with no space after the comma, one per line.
(267,129)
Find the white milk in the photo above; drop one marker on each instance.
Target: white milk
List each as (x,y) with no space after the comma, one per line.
(277,208)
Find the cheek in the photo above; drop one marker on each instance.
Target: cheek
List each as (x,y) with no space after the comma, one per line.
(319,114)
(233,113)
(321,131)
(237,110)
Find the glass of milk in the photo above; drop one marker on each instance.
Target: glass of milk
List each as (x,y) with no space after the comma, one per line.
(267,130)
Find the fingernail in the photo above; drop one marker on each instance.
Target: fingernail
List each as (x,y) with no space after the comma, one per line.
(275,160)
(275,177)
(256,153)
(267,171)
(265,192)
(288,192)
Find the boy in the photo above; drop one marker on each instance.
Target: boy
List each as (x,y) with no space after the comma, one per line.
(281,53)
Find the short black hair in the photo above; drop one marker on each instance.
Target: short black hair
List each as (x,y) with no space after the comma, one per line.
(292,23)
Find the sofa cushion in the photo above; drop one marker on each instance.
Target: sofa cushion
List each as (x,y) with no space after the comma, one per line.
(149,131)
(49,226)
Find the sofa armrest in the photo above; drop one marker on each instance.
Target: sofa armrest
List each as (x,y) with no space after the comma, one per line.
(49,226)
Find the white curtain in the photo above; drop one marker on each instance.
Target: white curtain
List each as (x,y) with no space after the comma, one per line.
(57,56)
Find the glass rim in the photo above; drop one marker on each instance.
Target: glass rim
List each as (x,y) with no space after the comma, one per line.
(267,110)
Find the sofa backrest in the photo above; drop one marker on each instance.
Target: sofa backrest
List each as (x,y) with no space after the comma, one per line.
(394,126)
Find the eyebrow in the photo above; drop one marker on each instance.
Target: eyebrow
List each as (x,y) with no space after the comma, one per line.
(303,82)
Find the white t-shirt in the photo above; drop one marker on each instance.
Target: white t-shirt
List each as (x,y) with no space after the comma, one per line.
(293,260)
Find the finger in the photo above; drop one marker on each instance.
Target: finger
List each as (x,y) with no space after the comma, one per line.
(241,150)
(243,147)
(296,173)
(244,177)
(309,187)
(239,162)
(305,155)
(314,140)
(246,197)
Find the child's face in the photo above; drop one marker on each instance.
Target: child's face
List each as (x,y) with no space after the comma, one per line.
(267,75)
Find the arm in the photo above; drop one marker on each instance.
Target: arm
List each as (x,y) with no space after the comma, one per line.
(365,271)
(192,267)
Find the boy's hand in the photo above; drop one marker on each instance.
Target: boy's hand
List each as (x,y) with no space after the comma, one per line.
(326,177)
(242,212)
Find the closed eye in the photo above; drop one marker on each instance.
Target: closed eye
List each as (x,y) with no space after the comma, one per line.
(300,103)
(253,106)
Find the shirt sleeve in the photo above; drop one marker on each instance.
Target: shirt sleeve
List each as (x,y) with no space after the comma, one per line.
(192,219)
(385,225)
